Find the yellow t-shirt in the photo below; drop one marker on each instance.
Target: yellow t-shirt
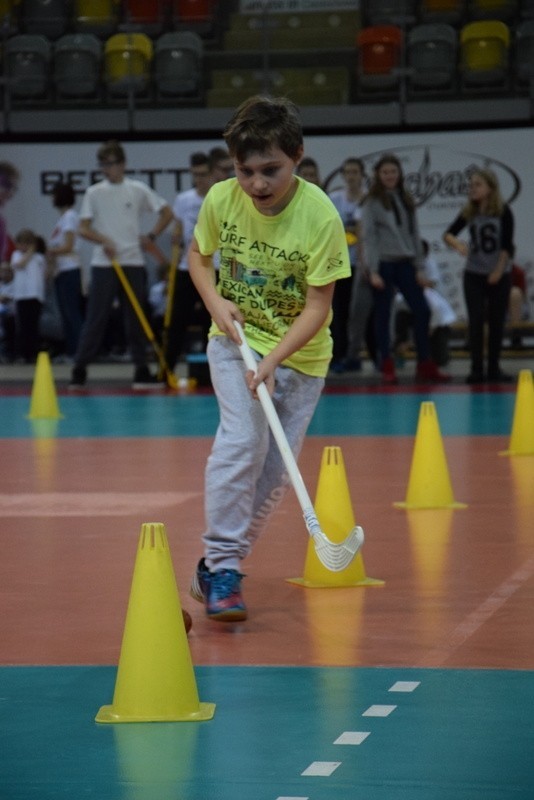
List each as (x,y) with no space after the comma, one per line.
(267,263)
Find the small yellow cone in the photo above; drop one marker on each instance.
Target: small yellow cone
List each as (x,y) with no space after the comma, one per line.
(522,436)
(429,485)
(44,403)
(155,679)
(333,507)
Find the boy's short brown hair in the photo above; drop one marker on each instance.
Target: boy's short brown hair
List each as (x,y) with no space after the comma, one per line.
(261,124)
(26,236)
(111,151)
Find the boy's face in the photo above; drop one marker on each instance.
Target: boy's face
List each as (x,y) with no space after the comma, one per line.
(268,179)
(112,169)
(352,175)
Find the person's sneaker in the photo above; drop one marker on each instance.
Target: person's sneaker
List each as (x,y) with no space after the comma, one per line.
(429,371)
(220,592)
(77,380)
(337,367)
(144,381)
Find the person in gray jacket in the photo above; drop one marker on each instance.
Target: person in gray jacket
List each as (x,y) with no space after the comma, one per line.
(393,257)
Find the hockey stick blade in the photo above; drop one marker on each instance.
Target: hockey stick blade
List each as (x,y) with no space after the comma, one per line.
(335,556)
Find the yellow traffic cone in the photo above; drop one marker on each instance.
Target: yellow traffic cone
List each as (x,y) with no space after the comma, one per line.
(334,511)
(155,679)
(43,403)
(522,436)
(429,485)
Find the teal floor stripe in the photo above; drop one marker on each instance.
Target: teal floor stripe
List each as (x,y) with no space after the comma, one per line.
(459,414)
(460,735)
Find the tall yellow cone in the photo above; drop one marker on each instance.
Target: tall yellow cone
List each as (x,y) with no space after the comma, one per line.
(44,403)
(333,507)
(522,436)
(155,679)
(429,485)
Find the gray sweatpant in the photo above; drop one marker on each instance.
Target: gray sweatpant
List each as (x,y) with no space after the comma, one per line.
(245,474)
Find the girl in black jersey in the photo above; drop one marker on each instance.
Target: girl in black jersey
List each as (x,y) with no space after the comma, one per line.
(487,275)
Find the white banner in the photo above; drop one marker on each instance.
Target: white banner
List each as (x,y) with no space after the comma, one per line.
(436,166)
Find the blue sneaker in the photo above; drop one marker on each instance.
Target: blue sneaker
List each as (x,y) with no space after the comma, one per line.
(220,592)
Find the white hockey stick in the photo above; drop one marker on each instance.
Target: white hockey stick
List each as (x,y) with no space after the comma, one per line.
(335,556)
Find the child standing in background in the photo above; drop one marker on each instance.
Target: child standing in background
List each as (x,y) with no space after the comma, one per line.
(29,272)
(487,274)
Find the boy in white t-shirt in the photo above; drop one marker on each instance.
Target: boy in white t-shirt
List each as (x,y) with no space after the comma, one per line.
(282,247)
(63,254)
(110,217)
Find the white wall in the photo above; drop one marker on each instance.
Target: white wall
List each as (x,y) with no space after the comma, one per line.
(435,166)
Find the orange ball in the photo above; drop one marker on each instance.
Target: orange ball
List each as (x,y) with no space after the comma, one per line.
(188,622)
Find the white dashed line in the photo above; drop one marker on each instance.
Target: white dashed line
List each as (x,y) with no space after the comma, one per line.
(379,711)
(404,686)
(352,737)
(322,769)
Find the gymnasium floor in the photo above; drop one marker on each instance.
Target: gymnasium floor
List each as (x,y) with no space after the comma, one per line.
(418,688)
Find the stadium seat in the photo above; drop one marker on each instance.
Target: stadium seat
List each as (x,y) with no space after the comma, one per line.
(450,12)
(48,18)
(27,62)
(127,64)
(99,17)
(379,57)
(77,61)
(143,17)
(178,64)
(526,9)
(197,16)
(431,57)
(524,53)
(484,49)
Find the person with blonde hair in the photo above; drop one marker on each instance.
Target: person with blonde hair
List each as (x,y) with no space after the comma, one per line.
(487,273)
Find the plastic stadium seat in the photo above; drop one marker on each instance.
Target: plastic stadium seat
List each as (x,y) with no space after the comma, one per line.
(379,56)
(524,52)
(178,64)
(194,15)
(99,17)
(77,62)
(504,10)
(451,12)
(28,66)
(127,63)
(142,16)
(431,56)
(484,50)
(526,9)
(48,18)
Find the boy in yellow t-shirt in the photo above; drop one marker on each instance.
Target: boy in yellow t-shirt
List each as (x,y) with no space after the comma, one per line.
(282,248)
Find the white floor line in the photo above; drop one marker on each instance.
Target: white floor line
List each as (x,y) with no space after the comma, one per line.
(478,617)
